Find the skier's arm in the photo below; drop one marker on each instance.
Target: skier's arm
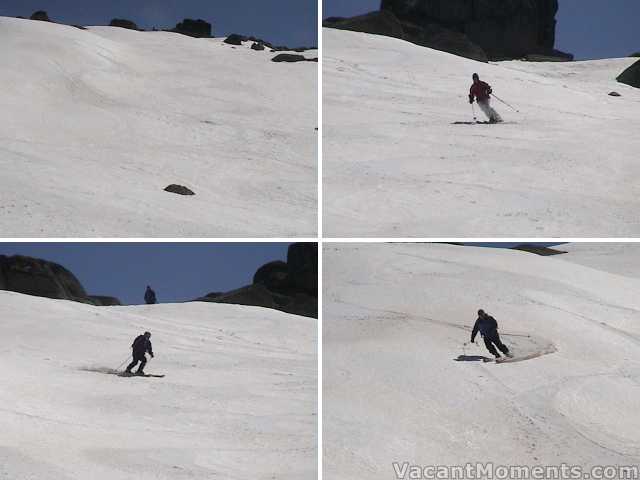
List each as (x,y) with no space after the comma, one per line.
(475,331)
(471,95)
(150,348)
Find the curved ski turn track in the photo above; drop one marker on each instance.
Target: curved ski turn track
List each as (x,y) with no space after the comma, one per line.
(397,316)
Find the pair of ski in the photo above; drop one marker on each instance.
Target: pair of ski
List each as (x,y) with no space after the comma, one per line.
(146,375)
(509,358)
(480,122)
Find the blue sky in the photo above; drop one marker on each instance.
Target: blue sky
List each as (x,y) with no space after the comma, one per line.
(283,22)
(587,28)
(176,271)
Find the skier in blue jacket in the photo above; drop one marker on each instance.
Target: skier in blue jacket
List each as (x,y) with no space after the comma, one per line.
(488,328)
(140,346)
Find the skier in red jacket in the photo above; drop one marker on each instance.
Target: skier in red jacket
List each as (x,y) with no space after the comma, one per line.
(482,92)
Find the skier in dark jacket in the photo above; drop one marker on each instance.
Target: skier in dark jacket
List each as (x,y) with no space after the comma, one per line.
(482,92)
(140,346)
(150,296)
(488,328)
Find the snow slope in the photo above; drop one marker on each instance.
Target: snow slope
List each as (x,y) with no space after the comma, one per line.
(96,123)
(396,165)
(238,399)
(396,318)
(619,258)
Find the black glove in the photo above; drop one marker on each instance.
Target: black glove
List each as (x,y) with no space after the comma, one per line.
(473,340)
(490,91)
(471,100)
(151,355)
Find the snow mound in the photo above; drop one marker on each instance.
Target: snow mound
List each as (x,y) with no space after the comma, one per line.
(238,400)
(400,385)
(96,123)
(397,165)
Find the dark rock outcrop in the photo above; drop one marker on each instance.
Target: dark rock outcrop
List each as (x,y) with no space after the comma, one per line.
(291,58)
(290,286)
(259,46)
(123,23)
(504,29)
(273,275)
(432,35)
(33,276)
(194,28)
(104,301)
(40,15)
(179,189)
(614,94)
(631,76)
(477,29)
(379,23)
(539,250)
(235,39)
(302,261)
(439,38)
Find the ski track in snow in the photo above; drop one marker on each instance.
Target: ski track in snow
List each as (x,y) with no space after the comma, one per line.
(396,318)
(566,167)
(97,123)
(238,400)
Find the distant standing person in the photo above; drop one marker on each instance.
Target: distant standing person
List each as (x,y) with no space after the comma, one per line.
(140,346)
(488,328)
(482,92)
(150,296)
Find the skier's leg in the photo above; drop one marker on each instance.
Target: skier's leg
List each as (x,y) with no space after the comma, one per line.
(488,110)
(503,348)
(132,364)
(494,115)
(484,106)
(143,362)
(490,347)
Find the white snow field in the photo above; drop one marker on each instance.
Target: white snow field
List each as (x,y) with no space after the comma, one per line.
(399,385)
(396,165)
(239,399)
(96,123)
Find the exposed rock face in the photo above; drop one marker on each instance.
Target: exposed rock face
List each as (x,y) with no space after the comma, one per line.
(291,58)
(290,286)
(631,76)
(502,28)
(259,46)
(440,38)
(40,15)
(235,39)
(194,28)
(432,36)
(273,275)
(477,29)
(379,23)
(302,260)
(104,301)
(179,189)
(33,276)
(123,23)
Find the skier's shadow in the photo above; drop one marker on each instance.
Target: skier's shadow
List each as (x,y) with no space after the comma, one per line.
(472,358)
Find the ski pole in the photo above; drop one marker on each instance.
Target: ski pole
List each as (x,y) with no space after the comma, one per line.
(120,366)
(500,100)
